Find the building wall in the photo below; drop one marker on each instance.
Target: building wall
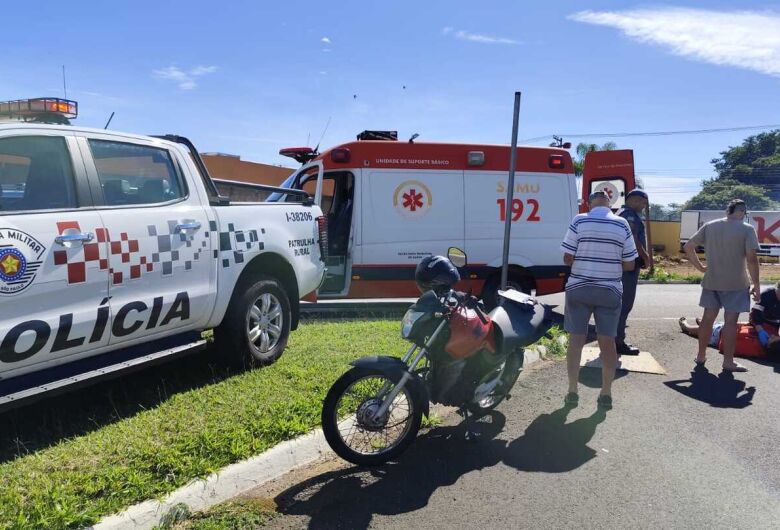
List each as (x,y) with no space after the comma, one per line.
(666,233)
(233,168)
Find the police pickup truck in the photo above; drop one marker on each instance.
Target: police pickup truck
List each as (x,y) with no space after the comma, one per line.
(117,251)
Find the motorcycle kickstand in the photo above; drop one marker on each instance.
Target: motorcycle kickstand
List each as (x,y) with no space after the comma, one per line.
(468,421)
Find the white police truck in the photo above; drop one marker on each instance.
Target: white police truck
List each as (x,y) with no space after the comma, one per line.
(117,252)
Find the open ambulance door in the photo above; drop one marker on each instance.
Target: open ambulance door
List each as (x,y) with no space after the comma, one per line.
(611,172)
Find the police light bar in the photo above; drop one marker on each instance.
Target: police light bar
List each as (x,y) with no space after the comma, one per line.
(39,109)
(300,154)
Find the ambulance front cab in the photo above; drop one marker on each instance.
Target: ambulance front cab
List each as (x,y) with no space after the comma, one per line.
(390,203)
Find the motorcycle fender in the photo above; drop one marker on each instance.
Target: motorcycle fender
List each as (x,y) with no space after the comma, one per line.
(395,368)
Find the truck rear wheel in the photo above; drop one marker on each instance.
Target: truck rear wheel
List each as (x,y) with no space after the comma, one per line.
(257,323)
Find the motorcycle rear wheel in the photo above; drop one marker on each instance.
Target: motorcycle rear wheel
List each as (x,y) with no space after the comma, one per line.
(510,372)
(351,431)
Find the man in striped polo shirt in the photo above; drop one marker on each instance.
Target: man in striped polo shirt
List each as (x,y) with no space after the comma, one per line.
(598,247)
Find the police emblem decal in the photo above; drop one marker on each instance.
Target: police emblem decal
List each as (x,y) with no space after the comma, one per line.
(20,259)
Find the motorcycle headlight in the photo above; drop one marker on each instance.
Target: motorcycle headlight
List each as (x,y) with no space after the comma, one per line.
(408,322)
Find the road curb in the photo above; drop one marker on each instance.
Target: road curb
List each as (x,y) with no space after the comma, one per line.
(235,479)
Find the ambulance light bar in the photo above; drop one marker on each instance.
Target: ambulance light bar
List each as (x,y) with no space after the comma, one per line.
(39,107)
(300,154)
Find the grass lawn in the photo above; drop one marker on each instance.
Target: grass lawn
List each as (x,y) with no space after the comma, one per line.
(69,460)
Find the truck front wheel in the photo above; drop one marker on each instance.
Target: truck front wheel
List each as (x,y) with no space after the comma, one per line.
(257,323)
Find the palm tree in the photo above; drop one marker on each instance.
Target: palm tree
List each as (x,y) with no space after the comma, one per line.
(583,149)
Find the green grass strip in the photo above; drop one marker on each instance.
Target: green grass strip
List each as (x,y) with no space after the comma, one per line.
(69,461)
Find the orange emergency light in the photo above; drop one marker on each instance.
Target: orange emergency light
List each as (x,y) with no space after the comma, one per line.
(46,110)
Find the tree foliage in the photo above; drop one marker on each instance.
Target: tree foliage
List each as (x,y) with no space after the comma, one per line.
(755,162)
(717,192)
(584,148)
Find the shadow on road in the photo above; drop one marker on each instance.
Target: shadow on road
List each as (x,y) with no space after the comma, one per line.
(350,498)
(722,391)
(550,445)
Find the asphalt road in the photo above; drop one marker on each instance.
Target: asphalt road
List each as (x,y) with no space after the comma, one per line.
(672,452)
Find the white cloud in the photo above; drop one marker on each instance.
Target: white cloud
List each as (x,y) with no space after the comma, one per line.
(476,37)
(326,40)
(745,39)
(185,79)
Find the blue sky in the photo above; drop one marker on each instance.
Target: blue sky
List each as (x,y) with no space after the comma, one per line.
(249,78)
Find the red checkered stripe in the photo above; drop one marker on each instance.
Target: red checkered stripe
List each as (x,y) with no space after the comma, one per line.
(77,259)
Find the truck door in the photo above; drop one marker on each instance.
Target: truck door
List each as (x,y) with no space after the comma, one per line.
(161,269)
(53,274)
(611,172)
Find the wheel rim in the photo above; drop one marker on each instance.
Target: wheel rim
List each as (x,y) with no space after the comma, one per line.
(359,429)
(264,323)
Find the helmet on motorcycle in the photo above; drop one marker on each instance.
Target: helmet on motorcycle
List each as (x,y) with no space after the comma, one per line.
(436,273)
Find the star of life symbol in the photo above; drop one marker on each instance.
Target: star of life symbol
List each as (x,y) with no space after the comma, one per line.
(412,199)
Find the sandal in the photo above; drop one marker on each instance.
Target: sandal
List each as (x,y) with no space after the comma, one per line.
(604,402)
(572,398)
(737,368)
(682,324)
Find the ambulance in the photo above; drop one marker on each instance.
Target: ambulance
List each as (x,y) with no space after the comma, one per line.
(389,203)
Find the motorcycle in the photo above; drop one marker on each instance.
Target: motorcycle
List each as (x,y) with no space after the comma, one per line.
(460,356)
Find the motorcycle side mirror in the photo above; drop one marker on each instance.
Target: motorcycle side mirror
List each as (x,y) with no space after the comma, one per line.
(457,257)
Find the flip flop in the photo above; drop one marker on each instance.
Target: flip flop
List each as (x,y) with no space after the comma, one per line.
(737,368)
(604,402)
(572,398)
(682,324)
(699,363)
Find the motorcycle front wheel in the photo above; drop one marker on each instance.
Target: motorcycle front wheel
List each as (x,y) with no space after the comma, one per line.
(350,424)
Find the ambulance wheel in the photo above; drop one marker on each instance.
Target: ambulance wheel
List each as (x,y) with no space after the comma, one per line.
(256,326)
(515,281)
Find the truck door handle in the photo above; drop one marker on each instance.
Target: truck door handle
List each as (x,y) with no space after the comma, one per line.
(72,238)
(181,227)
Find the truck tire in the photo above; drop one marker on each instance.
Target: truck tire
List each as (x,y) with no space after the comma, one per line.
(256,326)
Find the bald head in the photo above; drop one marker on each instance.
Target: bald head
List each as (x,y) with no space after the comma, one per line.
(597,199)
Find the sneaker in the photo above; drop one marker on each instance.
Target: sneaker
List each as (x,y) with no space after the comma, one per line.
(627,349)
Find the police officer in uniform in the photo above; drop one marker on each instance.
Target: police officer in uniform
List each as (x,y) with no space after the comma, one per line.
(636,201)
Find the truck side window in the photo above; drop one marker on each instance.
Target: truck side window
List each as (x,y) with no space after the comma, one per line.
(135,174)
(36,174)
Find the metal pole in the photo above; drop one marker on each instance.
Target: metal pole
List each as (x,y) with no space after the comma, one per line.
(510,191)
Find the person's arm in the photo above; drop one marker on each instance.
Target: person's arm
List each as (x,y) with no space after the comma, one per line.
(690,248)
(640,248)
(629,250)
(752,265)
(751,249)
(569,244)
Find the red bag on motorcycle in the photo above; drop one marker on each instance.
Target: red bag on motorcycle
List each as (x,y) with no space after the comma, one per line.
(468,334)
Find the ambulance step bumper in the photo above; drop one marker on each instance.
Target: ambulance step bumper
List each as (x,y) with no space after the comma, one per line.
(26,389)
